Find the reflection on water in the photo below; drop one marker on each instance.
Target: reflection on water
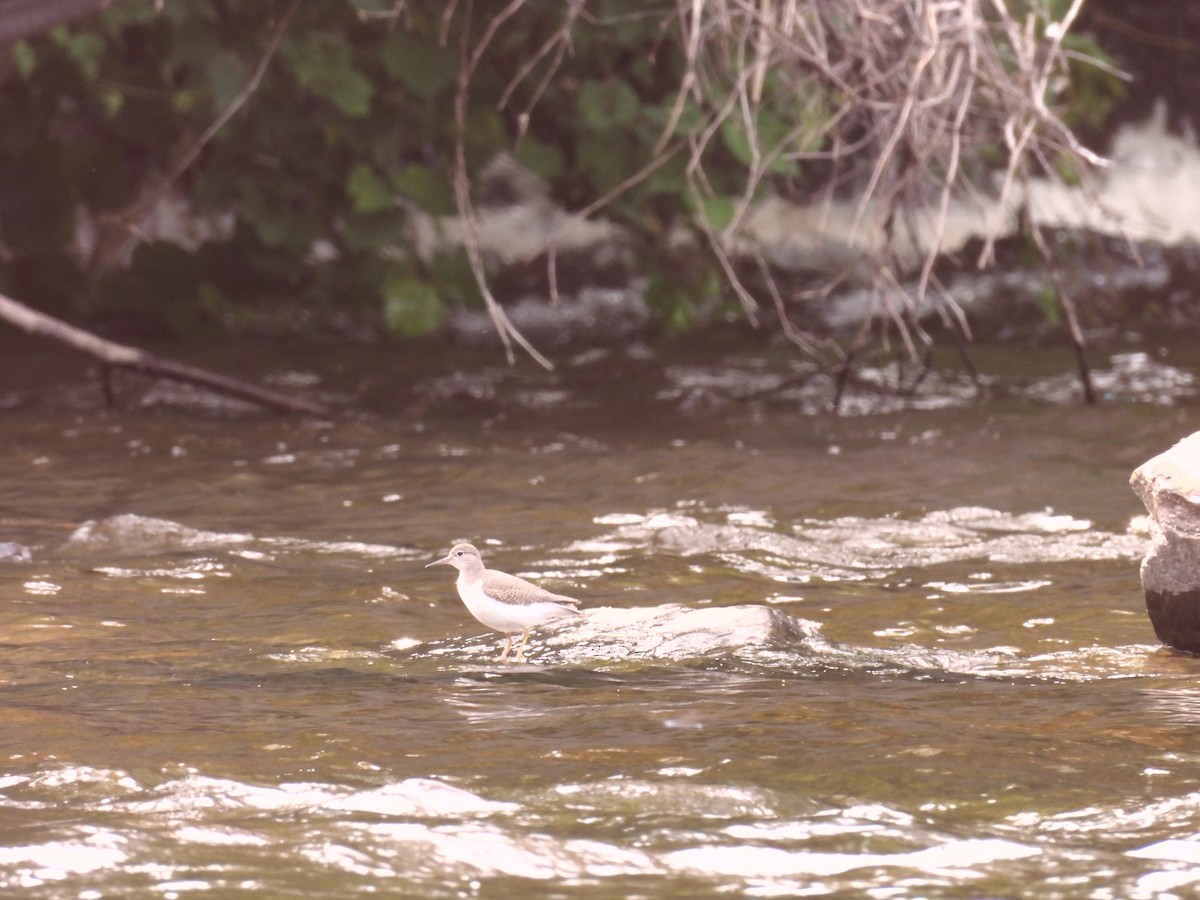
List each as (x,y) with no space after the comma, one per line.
(900,654)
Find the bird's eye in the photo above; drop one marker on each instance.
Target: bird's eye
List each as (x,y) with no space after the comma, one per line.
(459,553)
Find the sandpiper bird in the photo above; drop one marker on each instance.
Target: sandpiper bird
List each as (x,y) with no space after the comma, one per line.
(504,602)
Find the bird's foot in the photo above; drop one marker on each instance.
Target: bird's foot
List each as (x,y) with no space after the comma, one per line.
(521,649)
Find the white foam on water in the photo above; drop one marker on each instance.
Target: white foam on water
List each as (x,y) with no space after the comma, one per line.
(37,864)
(954,857)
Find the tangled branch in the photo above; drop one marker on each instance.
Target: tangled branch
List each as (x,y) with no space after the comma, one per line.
(901,105)
(922,91)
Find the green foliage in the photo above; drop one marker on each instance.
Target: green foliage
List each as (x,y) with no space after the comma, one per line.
(411,307)
(605,104)
(717,212)
(426,187)
(1093,88)
(336,133)
(424,68)
(350,133)
(368,192)
(1050,307)
(544,160)
(1093,91)
(772,133)
(24,59)
(323,65)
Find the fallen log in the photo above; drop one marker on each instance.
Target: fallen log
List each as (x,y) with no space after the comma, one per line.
(112,355)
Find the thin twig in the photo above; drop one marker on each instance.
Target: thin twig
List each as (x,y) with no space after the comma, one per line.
(552,241)
(1067,305)
(462,187)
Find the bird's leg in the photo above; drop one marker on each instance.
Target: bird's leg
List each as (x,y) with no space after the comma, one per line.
(520,657)
(507,647)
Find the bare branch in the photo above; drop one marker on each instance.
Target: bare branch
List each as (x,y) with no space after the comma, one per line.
(898,99)
(462,185)
(112,355)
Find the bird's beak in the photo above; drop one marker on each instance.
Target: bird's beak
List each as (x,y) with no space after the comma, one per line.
(444,561)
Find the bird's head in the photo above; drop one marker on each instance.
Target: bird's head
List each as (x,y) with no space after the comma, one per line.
(461,556)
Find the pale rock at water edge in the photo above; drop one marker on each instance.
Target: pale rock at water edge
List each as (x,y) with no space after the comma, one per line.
(1169,486)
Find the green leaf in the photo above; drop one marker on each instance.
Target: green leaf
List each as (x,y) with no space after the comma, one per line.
(607,104)
(112,100)
(419,64)
(670,179)
(1092,90)
(485,129)
(24,58)
(716,211)
(606,162)
(770,130)
(541,159)
(325,67)
(425,187)
(85,49)
(271,227)
(410,307)
(1047,301)
(688,120)
(452,273)
(368,192)
(279,214)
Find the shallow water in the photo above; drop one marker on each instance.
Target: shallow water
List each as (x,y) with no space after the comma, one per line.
(897,653)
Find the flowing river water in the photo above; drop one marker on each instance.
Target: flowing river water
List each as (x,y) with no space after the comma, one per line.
(900,652)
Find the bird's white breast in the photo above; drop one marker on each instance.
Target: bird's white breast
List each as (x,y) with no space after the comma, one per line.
(505,617)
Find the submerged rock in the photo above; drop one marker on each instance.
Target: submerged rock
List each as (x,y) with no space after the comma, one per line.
(657,635)
(593,315)
(672,632)
(11,551)
(130,533)
(1169,486)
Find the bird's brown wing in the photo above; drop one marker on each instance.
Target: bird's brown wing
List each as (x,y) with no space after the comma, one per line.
(511,589)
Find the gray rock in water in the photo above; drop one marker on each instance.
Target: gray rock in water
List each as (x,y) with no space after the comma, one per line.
(593,314)
(130,533)
(11,551)
(673,633)
(1169,486)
